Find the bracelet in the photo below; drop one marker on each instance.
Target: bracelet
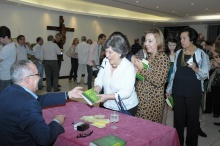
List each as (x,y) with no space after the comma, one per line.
(67,96)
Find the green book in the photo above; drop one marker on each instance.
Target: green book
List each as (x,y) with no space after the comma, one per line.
(139,77)
(170,101)
(109,140)
(90,96)
(145,64)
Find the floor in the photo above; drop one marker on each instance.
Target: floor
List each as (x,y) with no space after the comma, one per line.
(207,125)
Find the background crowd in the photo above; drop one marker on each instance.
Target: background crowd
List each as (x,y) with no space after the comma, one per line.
(186,68)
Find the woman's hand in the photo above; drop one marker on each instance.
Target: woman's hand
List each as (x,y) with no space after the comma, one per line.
(193,66)
(167,95)
(97,88)
(105,97)
(138,64)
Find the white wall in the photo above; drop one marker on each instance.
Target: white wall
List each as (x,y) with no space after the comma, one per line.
(202,28)
(32,23)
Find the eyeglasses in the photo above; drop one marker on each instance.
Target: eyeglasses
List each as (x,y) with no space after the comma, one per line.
(38,74)
(84,134)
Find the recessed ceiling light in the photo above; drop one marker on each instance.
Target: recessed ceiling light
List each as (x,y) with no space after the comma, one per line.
(187,14)
(19,4)
(192,4)
(137,1)
(206,9)
(173,11)
(157,7)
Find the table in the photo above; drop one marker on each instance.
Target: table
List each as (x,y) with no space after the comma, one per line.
(136,131)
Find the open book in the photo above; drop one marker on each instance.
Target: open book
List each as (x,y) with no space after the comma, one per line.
(109,140)
(90,96)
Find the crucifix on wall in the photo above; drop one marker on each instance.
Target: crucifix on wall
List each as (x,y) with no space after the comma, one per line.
(62,29)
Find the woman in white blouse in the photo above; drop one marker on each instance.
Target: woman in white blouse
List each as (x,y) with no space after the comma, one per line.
(117,75)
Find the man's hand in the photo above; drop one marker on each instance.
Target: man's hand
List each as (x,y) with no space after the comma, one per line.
(75,93)
(60,118)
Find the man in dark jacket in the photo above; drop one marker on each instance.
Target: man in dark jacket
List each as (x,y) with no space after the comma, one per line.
(21,121)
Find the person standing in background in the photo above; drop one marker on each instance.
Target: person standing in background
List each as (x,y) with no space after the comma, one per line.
(50,51)
(94,58)
(151,91)
(7,56)
(23,48)
(38,54)
(89,41)
(74,60)
(82,49)
(136,46)
(191,68)
(58,41)
(170,51)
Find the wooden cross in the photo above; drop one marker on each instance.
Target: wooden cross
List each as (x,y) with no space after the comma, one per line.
(62,29)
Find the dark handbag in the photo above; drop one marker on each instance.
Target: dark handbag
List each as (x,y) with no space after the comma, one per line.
(122,107)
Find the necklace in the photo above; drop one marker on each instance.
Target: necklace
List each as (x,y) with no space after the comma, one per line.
(183,62)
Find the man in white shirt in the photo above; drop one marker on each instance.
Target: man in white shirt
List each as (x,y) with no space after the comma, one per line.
(82,49)
(38,54)
(94,58)
(22,48)
(7,56)
(50,52)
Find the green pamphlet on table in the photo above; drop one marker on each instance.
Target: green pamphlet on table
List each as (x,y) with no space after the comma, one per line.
(109,140)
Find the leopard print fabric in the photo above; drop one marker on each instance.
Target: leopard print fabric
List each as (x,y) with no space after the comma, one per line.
(151,91)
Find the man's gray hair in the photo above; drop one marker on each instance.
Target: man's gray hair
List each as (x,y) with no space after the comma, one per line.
(20,70)
(50,38)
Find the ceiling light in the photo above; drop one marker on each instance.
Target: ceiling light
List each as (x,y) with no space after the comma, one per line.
(137,1)
(208,17)
(206,9)
(157,7)
(192,4)
(173,11)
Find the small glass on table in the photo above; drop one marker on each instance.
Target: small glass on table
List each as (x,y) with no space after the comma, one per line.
(114,118)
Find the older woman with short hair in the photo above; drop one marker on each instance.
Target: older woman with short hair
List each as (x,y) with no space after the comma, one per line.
(117,76)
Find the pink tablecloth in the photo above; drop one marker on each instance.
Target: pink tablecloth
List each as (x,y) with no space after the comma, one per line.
(136,131)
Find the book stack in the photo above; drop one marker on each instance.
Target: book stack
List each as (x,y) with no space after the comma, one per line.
(145,66)
(109,140)
(90,96)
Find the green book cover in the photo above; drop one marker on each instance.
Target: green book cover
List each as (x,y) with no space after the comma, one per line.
(145,64)
(139,77)
(109,140)
(170,101)
(90,96)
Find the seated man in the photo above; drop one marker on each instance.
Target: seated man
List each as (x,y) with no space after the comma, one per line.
(21,121)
